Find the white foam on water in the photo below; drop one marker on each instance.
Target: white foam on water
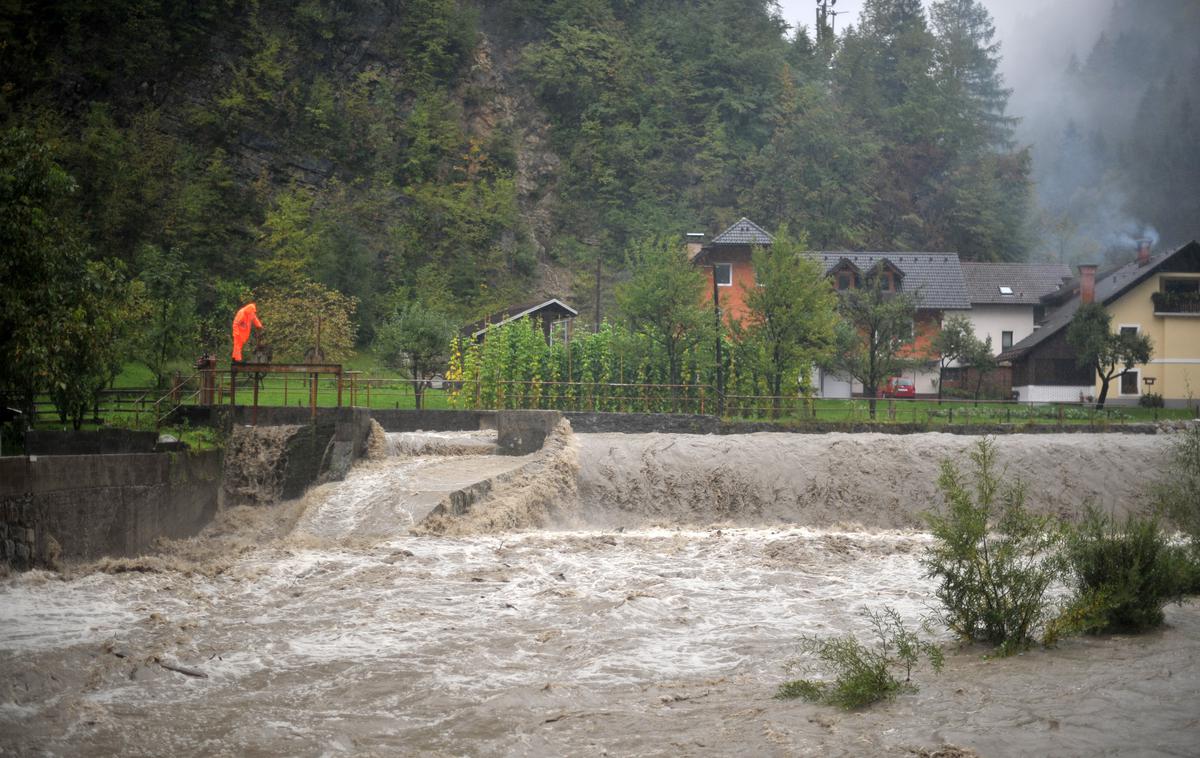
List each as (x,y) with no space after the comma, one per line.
(352,619)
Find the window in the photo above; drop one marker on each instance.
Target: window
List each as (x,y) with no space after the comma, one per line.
(1129,383)
(1181,286)
(1005,290)
(886,283)
(1130,329)
(724,274)
(845,281)
(1005,340)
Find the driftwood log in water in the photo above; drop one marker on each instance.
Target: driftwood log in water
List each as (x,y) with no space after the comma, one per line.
(182,669)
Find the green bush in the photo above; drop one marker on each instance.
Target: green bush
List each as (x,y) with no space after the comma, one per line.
(994,559)
(1178,499)
(1124,574)
(863,675)
(1151,400)
(1178,496)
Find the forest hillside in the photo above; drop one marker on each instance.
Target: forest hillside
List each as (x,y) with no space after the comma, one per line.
(469,155)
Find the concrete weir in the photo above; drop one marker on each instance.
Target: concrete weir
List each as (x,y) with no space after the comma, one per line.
(104,504)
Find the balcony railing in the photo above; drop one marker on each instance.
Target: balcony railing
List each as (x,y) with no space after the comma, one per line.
(1176,302)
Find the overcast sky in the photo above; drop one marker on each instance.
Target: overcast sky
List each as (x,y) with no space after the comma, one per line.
(804,12)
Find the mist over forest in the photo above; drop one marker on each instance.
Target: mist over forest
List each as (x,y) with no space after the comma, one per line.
(470,155)
(1114,124)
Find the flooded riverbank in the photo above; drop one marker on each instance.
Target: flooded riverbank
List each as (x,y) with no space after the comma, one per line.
(323,627)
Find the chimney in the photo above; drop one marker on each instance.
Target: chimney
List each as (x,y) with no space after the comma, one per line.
(1087,282)
(1143,255)
(695,242)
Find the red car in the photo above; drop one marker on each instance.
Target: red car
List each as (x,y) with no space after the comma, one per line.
(898,386)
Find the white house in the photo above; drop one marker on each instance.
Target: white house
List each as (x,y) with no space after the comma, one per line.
(1006,298)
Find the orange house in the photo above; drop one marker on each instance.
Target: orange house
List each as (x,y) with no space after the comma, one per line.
(727,257)
(936,279)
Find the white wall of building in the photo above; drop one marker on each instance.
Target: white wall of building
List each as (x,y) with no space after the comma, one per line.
(1046,394)
(993,320)
(831,386)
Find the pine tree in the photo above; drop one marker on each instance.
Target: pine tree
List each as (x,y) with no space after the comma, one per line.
(967,56)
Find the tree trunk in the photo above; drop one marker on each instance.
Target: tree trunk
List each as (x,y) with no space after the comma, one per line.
(418,393)
(776,382)
(1104,380)
(941,380)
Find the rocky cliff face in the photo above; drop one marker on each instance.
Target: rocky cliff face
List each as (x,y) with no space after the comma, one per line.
(493,100)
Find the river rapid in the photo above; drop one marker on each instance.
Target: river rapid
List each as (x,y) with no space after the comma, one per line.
(325,626)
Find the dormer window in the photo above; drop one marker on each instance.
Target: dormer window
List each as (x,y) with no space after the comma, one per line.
(1006,290)
(887,282)
(845,275)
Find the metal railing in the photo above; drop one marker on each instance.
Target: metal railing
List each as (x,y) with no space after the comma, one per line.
(151,407)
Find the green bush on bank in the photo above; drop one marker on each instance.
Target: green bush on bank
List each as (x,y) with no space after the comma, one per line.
(1123,574)
(994,560)
(863,675)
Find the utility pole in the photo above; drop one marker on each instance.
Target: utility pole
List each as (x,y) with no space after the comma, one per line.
(826,18)
(596,325)
(720,363)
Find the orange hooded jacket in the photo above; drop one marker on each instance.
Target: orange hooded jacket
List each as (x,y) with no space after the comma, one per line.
(242,322)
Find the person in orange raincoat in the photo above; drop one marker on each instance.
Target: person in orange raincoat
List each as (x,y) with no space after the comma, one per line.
(246,318)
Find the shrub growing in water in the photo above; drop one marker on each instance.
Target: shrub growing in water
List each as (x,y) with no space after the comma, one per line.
(994,559)
(863,675)
(1178,497)
(1123,573)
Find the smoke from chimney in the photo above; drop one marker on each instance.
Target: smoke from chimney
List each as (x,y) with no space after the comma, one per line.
(1143,252)
(1087,282)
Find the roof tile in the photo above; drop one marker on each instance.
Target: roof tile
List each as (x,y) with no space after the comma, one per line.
(937,278)
(1028,281)
(744,232)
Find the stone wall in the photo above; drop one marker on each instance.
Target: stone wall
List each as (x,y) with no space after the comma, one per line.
(82,507)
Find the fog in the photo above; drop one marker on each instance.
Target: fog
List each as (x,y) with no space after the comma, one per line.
(1098,122)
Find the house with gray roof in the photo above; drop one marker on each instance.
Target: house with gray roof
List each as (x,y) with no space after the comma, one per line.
(1155,295)
(1006,298)
(936,280)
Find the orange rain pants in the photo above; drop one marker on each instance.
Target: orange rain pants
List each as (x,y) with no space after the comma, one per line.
(245,318)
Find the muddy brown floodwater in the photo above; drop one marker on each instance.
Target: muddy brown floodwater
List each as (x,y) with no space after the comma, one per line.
(651,613)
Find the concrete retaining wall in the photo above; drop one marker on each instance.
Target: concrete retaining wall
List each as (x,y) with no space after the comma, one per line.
(82,507)
(319,452)
(434,421)
(644,423)
(524,432)
(101,441)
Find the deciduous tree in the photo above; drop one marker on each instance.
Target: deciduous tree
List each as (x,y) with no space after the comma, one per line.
(302,316)
(1098,347)
(416,340)
(954,343)
(169,329)
(876,327)
(663,298)
(792,312)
